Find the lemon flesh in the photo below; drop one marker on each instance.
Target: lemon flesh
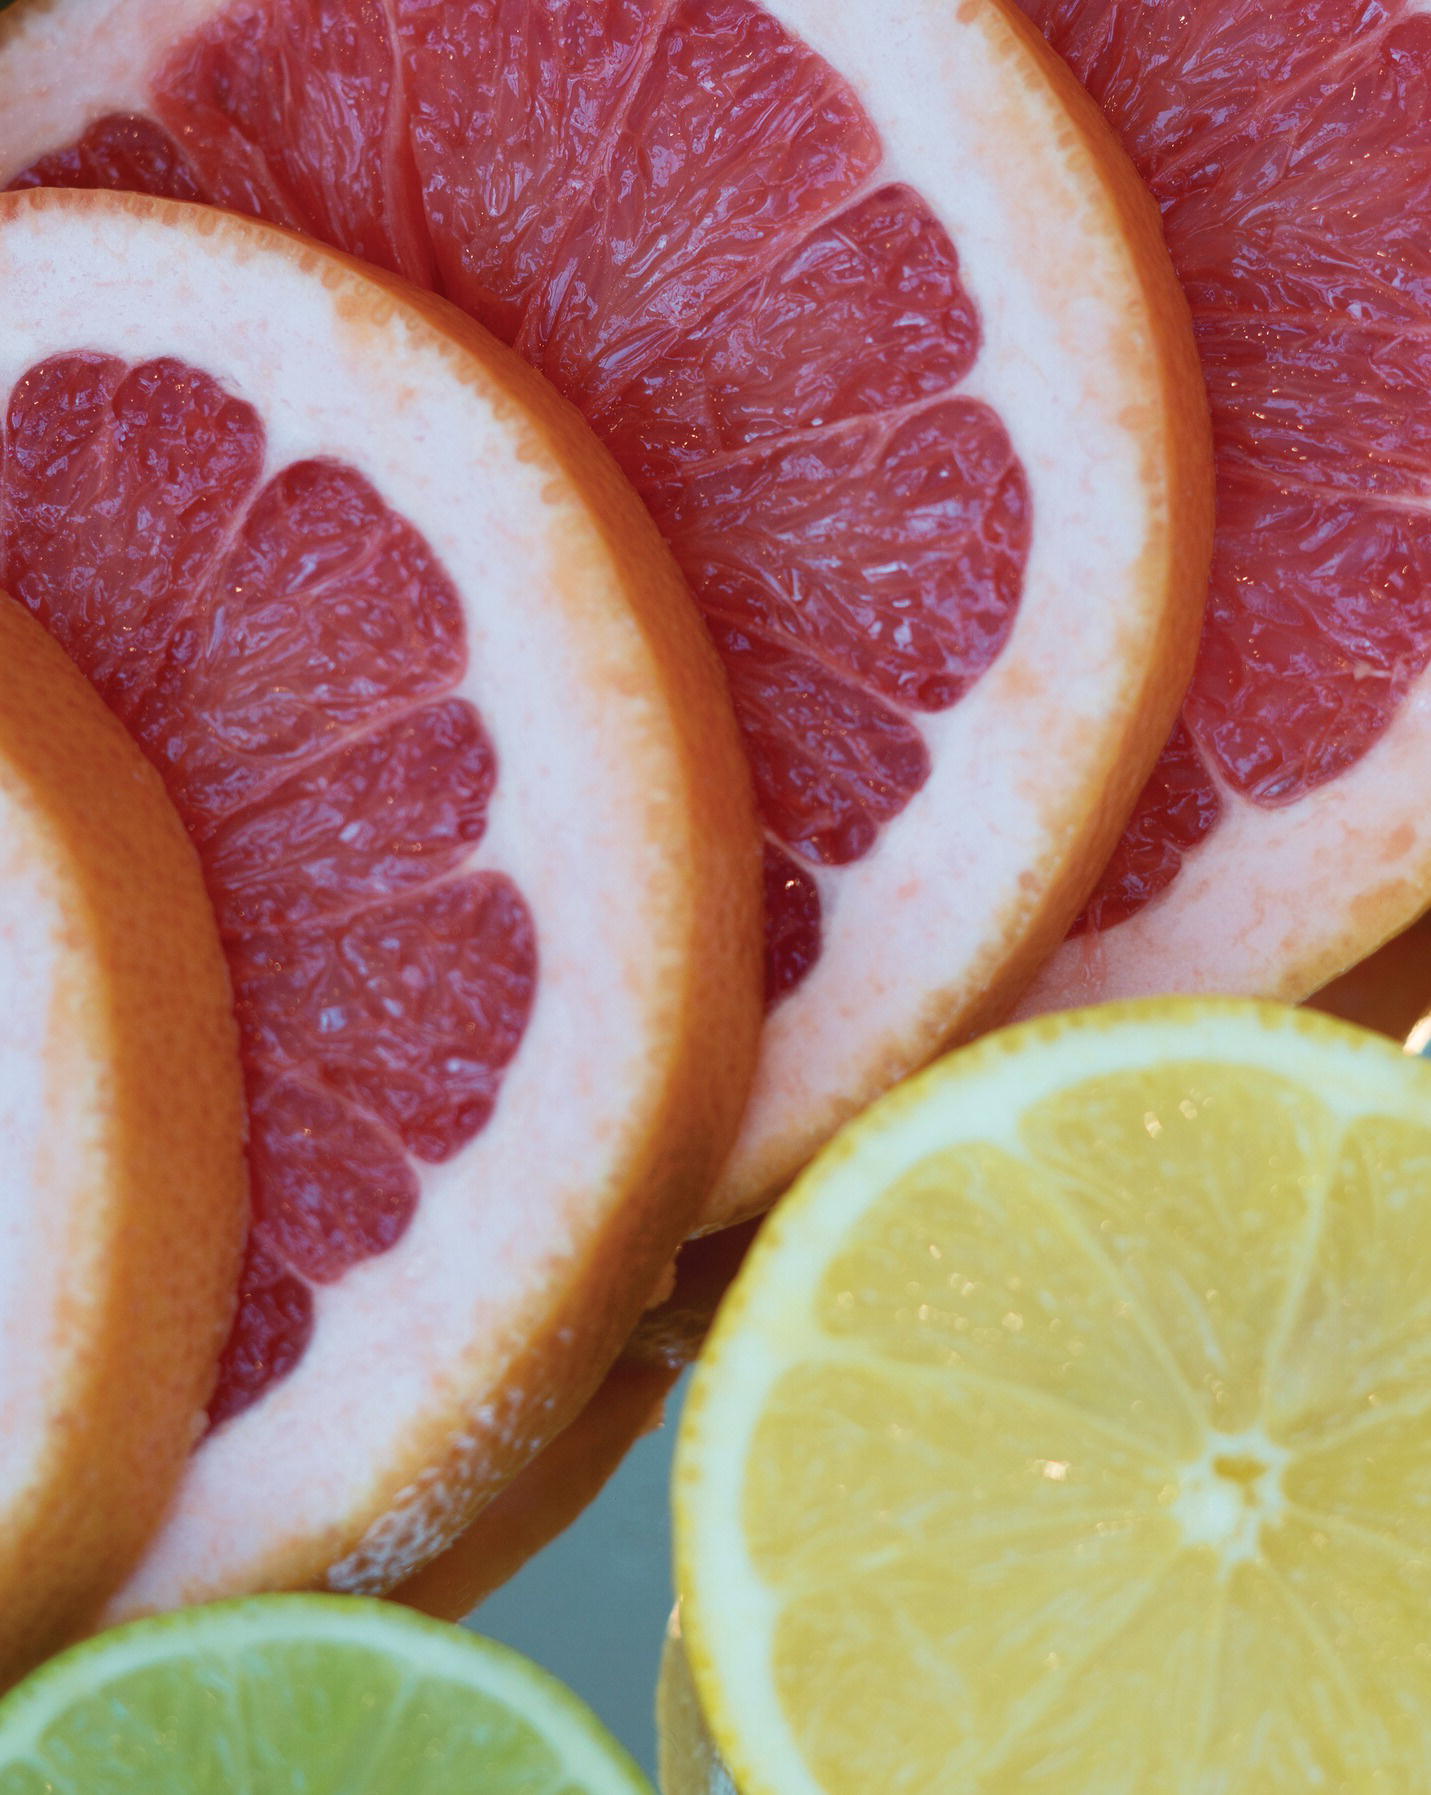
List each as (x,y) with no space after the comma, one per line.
(1070,1428)
(301,1695)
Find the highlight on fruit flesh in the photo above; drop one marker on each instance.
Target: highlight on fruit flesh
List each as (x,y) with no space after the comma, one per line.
(876,317)
(1067,1426)
(470,804)
(123,1194)
(1288,145)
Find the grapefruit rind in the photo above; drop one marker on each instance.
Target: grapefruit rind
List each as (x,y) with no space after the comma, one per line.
(1103,398)
(769,1327)
(121,1113)
(1294,928)
(1308,724)
(1087,359)
(622,811)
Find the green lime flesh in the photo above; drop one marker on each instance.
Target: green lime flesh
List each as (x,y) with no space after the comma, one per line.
(302,1695)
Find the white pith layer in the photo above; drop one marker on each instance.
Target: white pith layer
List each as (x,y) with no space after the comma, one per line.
(915,933)
(561,677)
(1275,902)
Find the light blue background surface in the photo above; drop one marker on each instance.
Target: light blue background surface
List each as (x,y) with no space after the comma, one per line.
(592,1607)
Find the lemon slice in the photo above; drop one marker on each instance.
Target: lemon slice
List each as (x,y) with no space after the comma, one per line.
(302,1695)
(1070,1427)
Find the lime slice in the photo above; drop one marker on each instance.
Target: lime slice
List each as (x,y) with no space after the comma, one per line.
(302,1695)
(1069,1428)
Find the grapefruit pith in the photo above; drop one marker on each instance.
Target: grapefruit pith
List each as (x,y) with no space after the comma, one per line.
(123,1196)
(873,313)
(550,1492)
(473,816)
(1289,146)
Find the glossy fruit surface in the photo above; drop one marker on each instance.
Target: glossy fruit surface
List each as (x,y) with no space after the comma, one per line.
(1288,145)
(1068,1423)
(465,788)
(874,315)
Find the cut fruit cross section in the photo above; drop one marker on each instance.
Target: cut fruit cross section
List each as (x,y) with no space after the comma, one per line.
(468,796)
(1283,836)
(123,1196)
(303,1695)
(869,307)
(1068,1426)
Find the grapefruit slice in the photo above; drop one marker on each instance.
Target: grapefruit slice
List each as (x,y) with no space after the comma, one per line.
(471,806)
(551,1491)
(123,1199)
(1289,145)
(876,318)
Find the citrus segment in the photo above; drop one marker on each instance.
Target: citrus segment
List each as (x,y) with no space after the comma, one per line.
(280,625)
(1107,1367)
(459,771)
(121,1126)
(303,1693)
(1354,1348)
(839,298)
(1068,1418)
(1254,127)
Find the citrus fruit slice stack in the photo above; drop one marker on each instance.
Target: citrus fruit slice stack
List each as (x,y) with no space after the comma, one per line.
(471,808)
(1282,836)
(123,1197)
(302,1695)
(1068,1425)
(876,318)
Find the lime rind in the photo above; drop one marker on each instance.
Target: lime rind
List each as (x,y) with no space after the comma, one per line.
(233,1697)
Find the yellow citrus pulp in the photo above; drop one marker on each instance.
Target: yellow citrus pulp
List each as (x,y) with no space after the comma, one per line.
(1069,1427)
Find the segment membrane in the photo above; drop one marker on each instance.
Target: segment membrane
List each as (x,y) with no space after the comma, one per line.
(1358,1347)
(885,1459)
(511,108)
(672,209)
(1310,284)
(968,1265)
(284,652)
(913,1640)
(281,110)
(1207,1196)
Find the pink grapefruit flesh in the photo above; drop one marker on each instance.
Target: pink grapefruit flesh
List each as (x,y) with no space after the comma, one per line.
(463,781)
(123,1198)
(1289,148)
(873,315)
